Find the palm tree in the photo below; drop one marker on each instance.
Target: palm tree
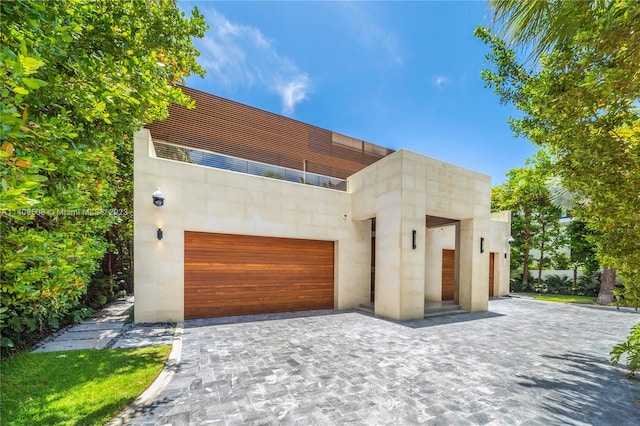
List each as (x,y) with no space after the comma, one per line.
(541,26)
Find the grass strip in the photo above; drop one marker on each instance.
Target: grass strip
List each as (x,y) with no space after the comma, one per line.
(85,387)
(563,298)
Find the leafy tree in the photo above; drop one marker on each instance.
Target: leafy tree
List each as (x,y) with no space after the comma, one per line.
(534,223)
(77,79)
(581,104)
(583,248)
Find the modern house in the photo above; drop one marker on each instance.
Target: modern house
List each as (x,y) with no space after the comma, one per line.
(263,213)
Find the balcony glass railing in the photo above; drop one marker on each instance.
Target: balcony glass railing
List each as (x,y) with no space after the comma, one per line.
(200,157)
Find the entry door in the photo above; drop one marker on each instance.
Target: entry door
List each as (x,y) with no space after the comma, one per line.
(492,258)
(448,274)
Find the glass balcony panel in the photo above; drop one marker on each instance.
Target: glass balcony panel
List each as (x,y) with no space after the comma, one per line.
(219,161)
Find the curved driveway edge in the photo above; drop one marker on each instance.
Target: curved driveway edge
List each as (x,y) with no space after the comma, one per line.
(523,362)
(158,385)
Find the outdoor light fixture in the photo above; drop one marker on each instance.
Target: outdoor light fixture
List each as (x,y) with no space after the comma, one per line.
(413,244)
(158,198)
(481,244)
(159,234)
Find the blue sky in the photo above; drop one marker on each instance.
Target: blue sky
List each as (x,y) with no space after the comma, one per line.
(398,74)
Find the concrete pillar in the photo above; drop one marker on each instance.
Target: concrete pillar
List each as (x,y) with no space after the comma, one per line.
(399,266)
(473,272)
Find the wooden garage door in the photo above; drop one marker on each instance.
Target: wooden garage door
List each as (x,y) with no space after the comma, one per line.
(238,275)
(448,274)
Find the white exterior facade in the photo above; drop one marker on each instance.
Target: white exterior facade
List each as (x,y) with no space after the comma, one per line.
(399,191)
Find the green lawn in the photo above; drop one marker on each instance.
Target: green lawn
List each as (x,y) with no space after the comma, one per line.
(564,298)
(85,387)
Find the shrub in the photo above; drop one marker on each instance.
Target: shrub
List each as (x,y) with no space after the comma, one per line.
(556,284)
(515,283)
(588,285)
(632,350)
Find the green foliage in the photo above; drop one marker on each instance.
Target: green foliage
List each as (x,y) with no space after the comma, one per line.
(517,284)
(630,348)
(77,79)
(564,298)
(556,284)
(587,285)
(581,105)
(85,387)
(534,220)
(274,175)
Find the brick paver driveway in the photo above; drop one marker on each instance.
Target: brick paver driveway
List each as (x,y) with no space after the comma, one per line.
(524,362)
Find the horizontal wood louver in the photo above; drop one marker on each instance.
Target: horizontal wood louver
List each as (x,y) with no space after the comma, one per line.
(238,130)
(238,275)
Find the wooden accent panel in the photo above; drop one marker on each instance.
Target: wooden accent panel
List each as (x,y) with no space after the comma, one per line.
(435,221)
(448,274)
(492,261)
(238,275)
(238,130)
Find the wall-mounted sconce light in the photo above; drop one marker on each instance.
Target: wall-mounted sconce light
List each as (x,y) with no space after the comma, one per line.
(481,244)
(413,239)
(159,234)
(158,198)
(505,255)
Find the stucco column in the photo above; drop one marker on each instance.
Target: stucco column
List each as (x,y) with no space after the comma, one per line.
(399,266)
(159,264)
(473,272)
(388,255)
(412,271)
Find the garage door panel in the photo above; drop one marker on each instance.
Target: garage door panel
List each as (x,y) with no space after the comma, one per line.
(237,275)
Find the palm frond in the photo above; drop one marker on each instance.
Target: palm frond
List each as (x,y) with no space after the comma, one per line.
(539,25)
(559,195)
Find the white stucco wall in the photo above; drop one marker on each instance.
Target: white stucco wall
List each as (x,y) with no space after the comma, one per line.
(210,200)
(438,238)
(399,190)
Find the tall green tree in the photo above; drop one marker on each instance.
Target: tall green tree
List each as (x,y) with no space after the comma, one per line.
(77,78)
(580,102)
(535,220)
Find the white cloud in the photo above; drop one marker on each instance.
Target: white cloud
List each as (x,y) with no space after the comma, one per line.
(362,24)
(293,92)
(440,81)
(240,55)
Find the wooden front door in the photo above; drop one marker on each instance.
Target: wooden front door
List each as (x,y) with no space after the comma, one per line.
(492,259)
(448,274)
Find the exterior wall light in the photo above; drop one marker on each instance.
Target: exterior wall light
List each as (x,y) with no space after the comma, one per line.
(159,233)
(510,241)
(413,239)
(481,244)
(158,198)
